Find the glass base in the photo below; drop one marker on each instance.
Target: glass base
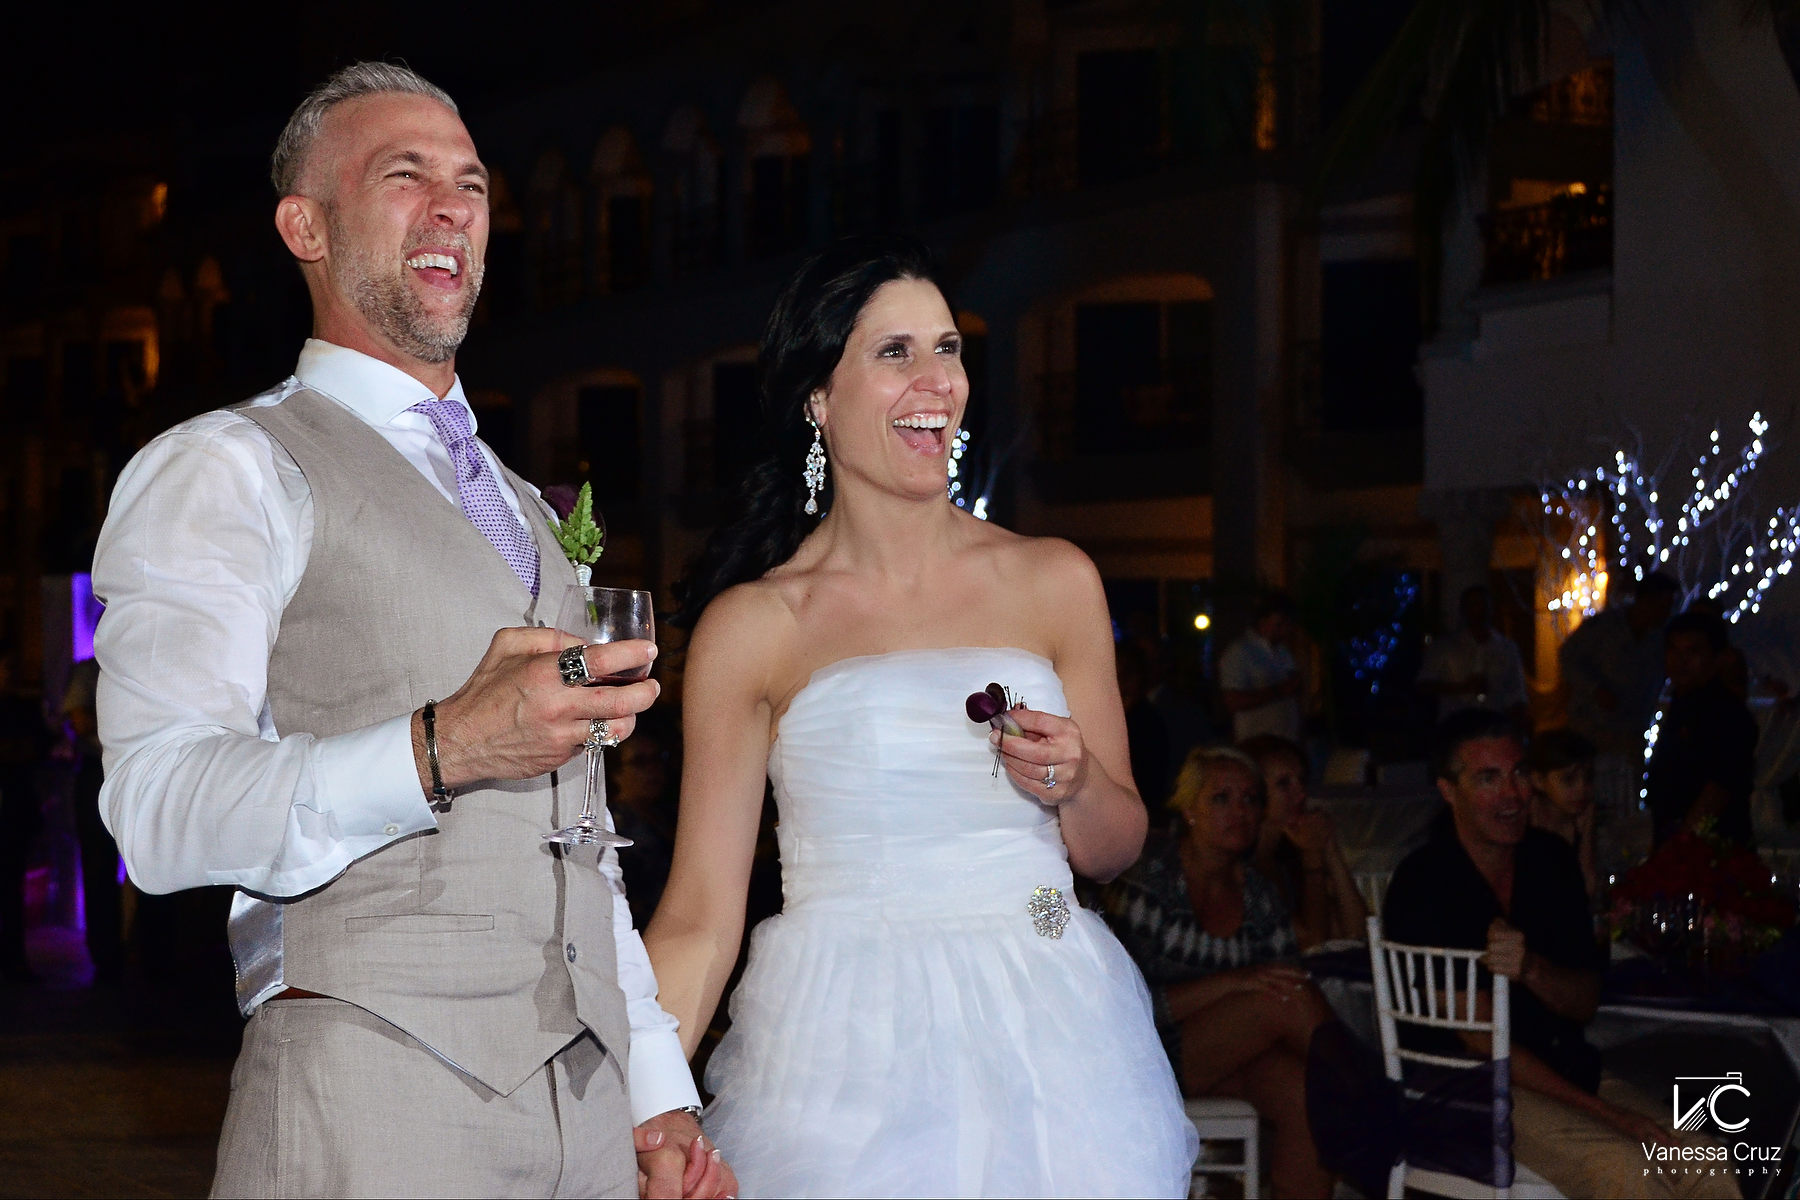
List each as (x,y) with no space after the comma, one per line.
(587,835)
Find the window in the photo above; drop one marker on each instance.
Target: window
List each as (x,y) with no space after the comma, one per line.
(1369,340)
(1119,115)
(961,158)
(1143,376)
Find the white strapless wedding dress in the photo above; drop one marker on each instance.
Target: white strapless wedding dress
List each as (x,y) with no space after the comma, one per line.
(903,1028)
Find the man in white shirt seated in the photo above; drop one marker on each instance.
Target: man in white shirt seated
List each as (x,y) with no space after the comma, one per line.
(1477,666)
(324,680)
(1258,677)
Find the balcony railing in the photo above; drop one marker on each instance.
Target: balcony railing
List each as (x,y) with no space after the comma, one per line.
(1573,232)
(1583,98)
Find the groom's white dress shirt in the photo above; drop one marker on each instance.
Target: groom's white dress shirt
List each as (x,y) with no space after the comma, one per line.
(201,788)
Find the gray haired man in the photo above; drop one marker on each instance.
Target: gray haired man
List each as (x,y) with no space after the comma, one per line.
(322,682)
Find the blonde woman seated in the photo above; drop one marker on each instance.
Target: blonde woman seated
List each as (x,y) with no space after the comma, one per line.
(1215,942)
(1298,849)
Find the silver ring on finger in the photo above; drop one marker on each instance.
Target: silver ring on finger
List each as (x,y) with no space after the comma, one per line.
(1049,776)
(572,663)
(599,734)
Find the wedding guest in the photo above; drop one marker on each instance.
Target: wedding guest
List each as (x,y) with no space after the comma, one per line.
(1612,674)
(1704,766)
(1561,764)
(1477,666)
(1145,731)
(322,681)
(1216,944)
(1485,879)
(1258,678)
(1298,849)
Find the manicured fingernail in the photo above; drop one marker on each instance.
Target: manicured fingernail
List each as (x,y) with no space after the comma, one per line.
(652,650)
(994,738)
(655,1139)
(716,1156)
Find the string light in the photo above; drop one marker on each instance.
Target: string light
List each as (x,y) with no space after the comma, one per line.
(1369,655)
(1713,545)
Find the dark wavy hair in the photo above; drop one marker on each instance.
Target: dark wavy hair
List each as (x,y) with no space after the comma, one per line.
(801,347)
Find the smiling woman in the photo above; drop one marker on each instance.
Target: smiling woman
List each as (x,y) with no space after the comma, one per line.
(927,1016)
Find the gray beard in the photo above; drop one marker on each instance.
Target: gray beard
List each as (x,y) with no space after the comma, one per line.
(400,315)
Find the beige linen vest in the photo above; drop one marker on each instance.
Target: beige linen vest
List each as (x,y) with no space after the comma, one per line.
(477,939)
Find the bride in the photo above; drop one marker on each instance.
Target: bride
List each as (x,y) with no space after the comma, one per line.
(930,1014)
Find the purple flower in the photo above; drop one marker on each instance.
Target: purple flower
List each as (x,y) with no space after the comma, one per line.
(561,498)
(993,705)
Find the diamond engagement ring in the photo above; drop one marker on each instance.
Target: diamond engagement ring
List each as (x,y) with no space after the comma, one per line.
(573,665)
(1049,776)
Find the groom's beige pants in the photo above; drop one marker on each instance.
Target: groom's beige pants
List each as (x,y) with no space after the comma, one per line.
(330,1100)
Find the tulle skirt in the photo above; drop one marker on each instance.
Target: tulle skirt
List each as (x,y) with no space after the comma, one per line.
(959,1055)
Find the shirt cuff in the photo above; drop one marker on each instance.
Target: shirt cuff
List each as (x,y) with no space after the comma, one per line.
(372,782)
(660,1078)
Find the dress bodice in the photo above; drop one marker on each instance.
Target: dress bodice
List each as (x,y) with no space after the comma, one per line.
(889,802)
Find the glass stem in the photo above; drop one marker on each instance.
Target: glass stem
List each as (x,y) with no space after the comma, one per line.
(596,788)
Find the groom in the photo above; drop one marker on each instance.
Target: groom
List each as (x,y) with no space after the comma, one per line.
(321,683)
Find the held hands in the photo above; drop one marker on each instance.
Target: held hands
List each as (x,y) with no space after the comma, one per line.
(676,1162)
(515,718)
(1051,750)
(1506,953)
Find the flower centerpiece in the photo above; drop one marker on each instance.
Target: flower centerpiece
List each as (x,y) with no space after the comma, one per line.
(1701,896)
(582,538)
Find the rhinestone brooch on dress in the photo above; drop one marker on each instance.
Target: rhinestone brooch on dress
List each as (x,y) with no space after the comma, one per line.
(1049,911)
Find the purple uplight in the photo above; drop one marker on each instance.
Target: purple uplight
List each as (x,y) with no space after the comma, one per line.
(84,615)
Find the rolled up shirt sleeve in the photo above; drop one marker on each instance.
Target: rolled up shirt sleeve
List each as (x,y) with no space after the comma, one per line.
(659,1076)
(204,544)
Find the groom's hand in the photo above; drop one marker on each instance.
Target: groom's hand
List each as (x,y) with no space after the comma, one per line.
(676,1161)
(516,719)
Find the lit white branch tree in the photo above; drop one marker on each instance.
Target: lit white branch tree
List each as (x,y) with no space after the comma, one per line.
(1709,530)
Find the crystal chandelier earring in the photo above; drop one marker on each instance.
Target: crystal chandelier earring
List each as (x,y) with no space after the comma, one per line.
(814,475)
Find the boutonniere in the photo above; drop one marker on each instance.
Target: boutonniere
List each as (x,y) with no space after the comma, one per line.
(994,704)
(580,533)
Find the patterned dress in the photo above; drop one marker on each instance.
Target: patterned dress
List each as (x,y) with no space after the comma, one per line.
(1153,915)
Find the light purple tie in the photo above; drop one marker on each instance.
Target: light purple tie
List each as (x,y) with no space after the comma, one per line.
(479,492)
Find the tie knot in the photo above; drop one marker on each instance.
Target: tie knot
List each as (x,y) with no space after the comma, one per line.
(449,419)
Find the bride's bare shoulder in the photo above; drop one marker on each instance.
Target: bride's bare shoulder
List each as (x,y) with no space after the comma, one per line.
(1036,565)
(744,624)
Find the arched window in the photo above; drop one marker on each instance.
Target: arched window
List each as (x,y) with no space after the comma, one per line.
(622,190)
(693,155)
(553,232)
(777,146)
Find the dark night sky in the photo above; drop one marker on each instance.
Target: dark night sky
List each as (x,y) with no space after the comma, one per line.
(211,79)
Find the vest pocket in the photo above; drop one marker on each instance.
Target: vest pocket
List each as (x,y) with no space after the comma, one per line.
(421,923)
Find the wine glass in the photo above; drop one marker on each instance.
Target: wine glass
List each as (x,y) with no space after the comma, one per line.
(597,615)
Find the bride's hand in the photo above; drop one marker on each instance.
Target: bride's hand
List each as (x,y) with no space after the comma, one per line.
(1049,742)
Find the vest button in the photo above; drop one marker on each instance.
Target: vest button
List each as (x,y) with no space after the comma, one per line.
(571,951)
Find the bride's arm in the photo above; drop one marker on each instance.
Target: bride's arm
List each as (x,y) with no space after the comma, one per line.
(699,924)
(1103,820)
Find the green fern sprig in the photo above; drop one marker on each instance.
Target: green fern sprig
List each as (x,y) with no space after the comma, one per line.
(580,537)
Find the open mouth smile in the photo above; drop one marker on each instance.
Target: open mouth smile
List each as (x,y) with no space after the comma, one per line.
(923,432)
